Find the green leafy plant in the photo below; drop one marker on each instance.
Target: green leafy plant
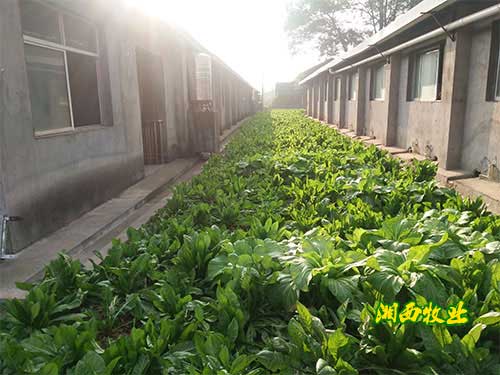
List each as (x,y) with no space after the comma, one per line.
(273,261)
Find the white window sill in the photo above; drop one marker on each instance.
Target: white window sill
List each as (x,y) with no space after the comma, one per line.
(68,131)
(424,100)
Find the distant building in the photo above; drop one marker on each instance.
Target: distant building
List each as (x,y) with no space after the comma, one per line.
(292,94)
(289,95)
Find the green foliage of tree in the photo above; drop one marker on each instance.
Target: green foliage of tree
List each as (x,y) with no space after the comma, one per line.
(333,26)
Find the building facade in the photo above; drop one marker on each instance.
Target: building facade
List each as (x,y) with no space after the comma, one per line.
(91,92)
(429,82)
(289,95)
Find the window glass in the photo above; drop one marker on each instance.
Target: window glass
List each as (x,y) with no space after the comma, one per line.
(48,89)
(84,89)
(353,86)
(426,75)
(378,82)
(40,21)
(79,34)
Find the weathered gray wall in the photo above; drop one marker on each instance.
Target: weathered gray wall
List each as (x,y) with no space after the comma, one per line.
(336,112)
(421,123)
(2,136)
(375,120)
(317,99)
(53,180)
(460,129)
(335,104)
(350,113)
(392,95)
(329,101)
(482,118)
(2,172)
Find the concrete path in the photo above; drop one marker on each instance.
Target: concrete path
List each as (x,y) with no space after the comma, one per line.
(473,188)
(462,181)
(85,235)
(228,133)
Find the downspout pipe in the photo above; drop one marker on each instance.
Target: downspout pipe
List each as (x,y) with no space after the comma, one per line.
(485,13)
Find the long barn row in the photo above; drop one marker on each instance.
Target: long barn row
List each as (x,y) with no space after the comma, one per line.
(91,92)
(429,83)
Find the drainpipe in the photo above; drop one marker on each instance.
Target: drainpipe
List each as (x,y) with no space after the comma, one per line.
(485,13)
(4,253)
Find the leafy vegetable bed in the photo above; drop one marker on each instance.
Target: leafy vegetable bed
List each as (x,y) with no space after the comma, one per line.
(275,261)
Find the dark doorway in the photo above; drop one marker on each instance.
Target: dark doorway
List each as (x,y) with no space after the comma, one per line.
(152,96)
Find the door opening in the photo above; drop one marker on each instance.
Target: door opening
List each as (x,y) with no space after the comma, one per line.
(152,98)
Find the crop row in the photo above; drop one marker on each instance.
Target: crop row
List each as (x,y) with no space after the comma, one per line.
(296,251)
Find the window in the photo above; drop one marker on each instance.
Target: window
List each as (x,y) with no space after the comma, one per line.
(81,34)
(325,90)
(62,64)
(337,89)
(353,86)
(48,88)
(84,89)
(377,82)
(427,76)
(40,21)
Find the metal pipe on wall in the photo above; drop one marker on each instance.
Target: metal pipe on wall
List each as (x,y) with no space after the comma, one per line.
(4,254)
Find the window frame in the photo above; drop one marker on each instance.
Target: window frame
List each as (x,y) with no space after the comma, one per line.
(68,90)
(411,94)
(373,70)
(64,49)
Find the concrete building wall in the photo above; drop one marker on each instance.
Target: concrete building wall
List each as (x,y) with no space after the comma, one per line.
(317,93)
(461,127)
(482,119)
(321,98)
(2,172)
(434,128)
(350,114)
(339,104)
(52,180)
(375,120)
(327,104)
(421,124)
(308,100)
(336,112)
(177,60)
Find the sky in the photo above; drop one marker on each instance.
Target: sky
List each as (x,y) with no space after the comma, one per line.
(248,35)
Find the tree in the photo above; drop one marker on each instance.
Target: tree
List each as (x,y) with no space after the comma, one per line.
(333,25)
(379,13)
